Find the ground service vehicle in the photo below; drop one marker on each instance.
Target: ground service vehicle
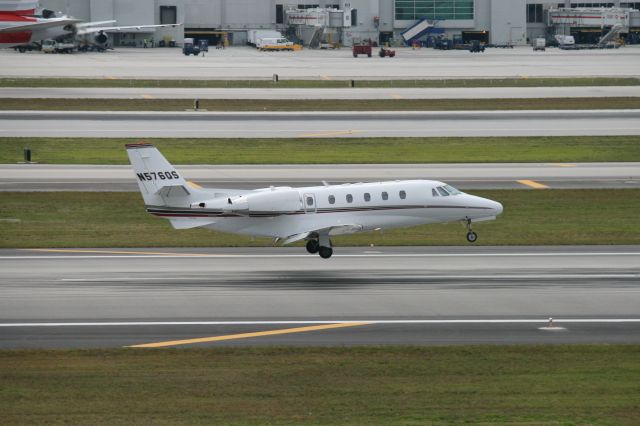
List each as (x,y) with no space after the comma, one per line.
(52,46)
(273,44)
(188,48)
(389,53)
(476,47)
(539,44)
(363,48)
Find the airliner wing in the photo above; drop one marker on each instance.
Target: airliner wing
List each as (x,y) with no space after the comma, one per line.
(39,25)
(91,30)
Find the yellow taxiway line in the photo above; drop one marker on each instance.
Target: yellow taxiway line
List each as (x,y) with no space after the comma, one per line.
(394,96)
(325,77)
(249,335)
(533,184)
(147,97)
(339,133)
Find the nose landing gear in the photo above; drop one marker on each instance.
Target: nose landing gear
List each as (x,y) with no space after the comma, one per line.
(472,237)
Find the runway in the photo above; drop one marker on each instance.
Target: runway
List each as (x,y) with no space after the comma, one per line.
(43,177)
(433,295)
(328,93)
(319,124)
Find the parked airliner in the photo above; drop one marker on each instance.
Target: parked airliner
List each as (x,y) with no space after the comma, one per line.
(313,214)
(19,25)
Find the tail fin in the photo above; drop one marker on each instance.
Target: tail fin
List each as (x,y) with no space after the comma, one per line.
(159,182)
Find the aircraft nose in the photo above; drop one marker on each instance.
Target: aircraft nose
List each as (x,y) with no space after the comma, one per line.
(497,207)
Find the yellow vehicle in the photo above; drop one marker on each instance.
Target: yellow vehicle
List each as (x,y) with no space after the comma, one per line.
(271,44)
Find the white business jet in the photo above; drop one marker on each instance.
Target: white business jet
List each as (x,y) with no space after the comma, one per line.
(313,214)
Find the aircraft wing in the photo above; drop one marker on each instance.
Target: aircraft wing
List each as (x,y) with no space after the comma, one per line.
(91,30)
(331,231)
(39,25)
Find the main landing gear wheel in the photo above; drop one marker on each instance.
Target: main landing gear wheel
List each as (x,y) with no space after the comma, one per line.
(472,237)
(326,252)
(313,246)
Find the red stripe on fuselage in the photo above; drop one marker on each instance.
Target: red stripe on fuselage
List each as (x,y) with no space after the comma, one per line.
(15,38)
(14,17)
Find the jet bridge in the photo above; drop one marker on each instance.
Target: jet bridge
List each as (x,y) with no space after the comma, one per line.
(610,21)
(318,25)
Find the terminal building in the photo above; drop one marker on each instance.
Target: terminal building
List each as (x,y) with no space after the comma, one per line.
(499,22)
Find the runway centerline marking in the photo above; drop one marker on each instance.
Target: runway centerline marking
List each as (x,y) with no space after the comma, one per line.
(249,335)
(532,184)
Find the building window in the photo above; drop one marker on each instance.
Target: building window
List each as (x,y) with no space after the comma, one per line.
(332,199)
(168,15)
(385,196)
(349,198)
(411,10)
(279,14)
(535,13)
(354,17)
(367,197)
(403,195)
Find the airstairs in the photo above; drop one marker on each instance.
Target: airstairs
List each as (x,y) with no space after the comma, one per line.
(613,33)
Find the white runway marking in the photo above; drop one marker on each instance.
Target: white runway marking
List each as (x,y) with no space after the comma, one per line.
(285,256)
(374,321)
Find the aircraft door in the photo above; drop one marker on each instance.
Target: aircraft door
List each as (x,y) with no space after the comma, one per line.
(309,203)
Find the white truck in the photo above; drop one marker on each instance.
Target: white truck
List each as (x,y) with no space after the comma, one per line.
(52,46)
(565,41)
(540,44)
(273,44)
(254,36)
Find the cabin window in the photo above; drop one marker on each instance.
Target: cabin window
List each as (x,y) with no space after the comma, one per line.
(349,198)
(310,201)
(443,192)
(403,195)
(385,196)
(434,192)
(367,196)
(332,199)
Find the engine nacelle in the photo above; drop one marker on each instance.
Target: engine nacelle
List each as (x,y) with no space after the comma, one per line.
(101,38)
(287,201)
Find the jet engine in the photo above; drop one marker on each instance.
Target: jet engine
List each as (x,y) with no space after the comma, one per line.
(100,38)
(274,201)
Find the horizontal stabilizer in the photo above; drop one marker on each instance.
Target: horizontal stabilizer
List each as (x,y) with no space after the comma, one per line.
(191,222)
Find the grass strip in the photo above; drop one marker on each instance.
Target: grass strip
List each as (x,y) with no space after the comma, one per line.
(549,217)
(53,104)
(554,384)
(332,150)
(287,84)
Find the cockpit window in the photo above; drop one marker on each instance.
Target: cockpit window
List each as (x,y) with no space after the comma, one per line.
(442,191)
(451,190)
(434,192)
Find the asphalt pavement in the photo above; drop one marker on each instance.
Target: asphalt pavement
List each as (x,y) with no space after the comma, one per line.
(43,177)
(319,124)
(325,93)
(413,295)
(239,62)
